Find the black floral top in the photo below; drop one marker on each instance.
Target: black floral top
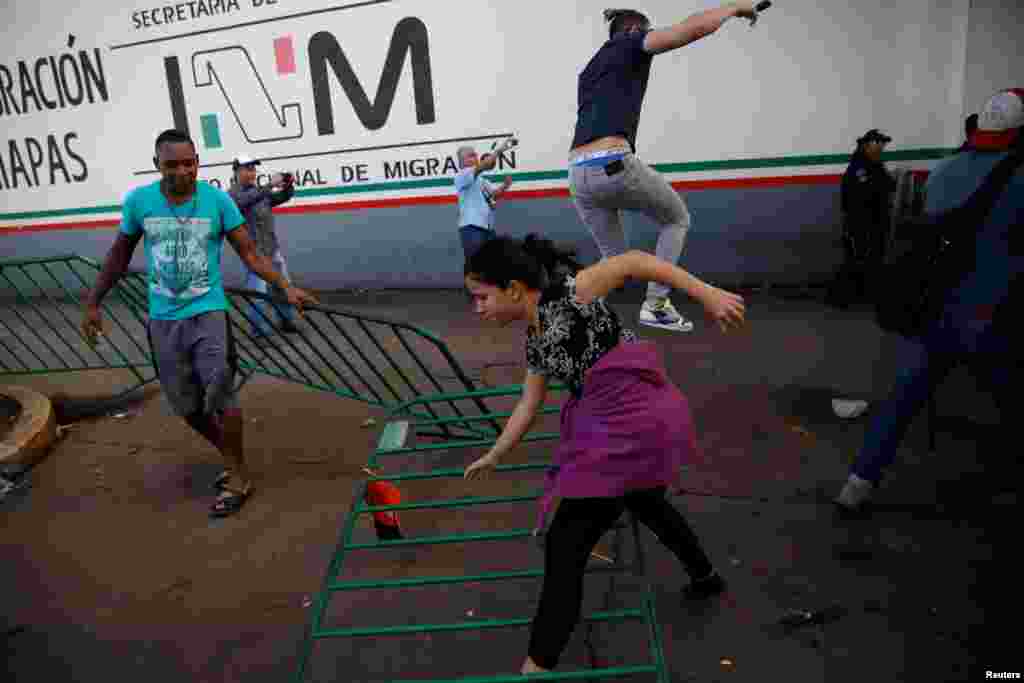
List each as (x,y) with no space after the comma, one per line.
(573,336)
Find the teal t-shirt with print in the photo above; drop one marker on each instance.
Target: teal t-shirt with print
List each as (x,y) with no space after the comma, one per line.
(183,247)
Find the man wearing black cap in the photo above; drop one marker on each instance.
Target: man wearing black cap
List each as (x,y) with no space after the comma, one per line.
(865,197)
(256,205)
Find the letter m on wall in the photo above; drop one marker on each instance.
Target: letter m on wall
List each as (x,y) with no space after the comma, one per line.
(410,37)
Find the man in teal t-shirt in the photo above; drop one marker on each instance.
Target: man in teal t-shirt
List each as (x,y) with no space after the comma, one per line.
(183,247)
(184,224)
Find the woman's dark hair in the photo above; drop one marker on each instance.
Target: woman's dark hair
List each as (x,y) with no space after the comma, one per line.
(534,261)
(619,18)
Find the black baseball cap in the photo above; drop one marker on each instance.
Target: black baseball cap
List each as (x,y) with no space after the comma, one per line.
(874,135)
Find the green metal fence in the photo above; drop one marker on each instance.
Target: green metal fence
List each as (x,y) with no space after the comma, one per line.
(40,317)
(384,363)
(407,462)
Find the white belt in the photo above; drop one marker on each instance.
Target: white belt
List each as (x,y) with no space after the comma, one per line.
(599,154)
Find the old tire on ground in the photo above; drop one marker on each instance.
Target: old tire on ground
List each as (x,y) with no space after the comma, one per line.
(28,439)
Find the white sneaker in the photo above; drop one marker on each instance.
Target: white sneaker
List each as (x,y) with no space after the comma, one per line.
(848,409)
(856,492)
(664,315)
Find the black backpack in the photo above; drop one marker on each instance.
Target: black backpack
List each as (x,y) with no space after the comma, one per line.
(937,255)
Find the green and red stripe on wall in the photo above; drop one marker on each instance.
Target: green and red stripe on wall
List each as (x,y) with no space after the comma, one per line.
(918,155)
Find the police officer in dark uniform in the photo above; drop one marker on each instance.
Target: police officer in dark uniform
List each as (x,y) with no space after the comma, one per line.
(866,196)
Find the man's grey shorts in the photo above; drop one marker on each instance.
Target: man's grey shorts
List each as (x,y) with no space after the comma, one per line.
(196,362)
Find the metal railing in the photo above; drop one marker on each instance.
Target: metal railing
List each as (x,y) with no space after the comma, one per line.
(406,462)
(41,304)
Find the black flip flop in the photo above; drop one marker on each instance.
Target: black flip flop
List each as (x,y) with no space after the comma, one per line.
(231,503)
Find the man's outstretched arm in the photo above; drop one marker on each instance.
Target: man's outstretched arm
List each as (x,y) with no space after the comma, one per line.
(696,26)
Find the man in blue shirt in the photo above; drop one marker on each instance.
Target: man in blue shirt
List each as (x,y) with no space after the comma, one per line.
(976,323)
(604,175)
(477,196)
(184,224)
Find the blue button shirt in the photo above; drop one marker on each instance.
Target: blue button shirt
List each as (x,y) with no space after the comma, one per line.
(476,199)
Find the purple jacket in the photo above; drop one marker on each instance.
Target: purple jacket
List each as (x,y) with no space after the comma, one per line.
(631,429)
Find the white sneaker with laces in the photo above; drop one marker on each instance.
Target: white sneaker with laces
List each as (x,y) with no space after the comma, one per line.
(664,315)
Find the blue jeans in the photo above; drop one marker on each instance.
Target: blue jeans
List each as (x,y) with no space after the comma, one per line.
(473,238)
(260,312)
(922,367)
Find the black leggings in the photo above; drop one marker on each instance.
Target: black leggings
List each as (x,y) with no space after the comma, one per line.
(577,527)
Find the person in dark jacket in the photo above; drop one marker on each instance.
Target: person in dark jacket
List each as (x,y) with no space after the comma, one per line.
(975,327)
(865,196)
(256,204)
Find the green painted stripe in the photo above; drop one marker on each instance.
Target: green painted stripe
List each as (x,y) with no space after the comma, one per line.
(25,215)
(927,154)
(813,160)
(211,131)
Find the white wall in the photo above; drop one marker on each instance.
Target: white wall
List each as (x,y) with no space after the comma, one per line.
(995,50)
(806,81)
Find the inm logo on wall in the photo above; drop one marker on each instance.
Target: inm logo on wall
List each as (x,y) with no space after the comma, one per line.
(248,98)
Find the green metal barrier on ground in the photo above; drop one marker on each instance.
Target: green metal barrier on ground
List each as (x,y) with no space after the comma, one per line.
(405,459)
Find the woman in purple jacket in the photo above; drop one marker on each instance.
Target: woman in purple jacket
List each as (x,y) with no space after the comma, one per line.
(626,429)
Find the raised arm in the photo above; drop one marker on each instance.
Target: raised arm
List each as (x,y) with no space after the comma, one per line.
(489,160)
(286,192)
(696,26)
(598,280)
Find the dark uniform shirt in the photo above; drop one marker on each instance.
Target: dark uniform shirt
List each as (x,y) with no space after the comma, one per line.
(611,90)
(865,197)
(866,189)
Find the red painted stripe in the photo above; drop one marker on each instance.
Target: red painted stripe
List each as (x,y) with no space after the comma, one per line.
(772,181)
(50,227)
(716,184)
(728,183)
